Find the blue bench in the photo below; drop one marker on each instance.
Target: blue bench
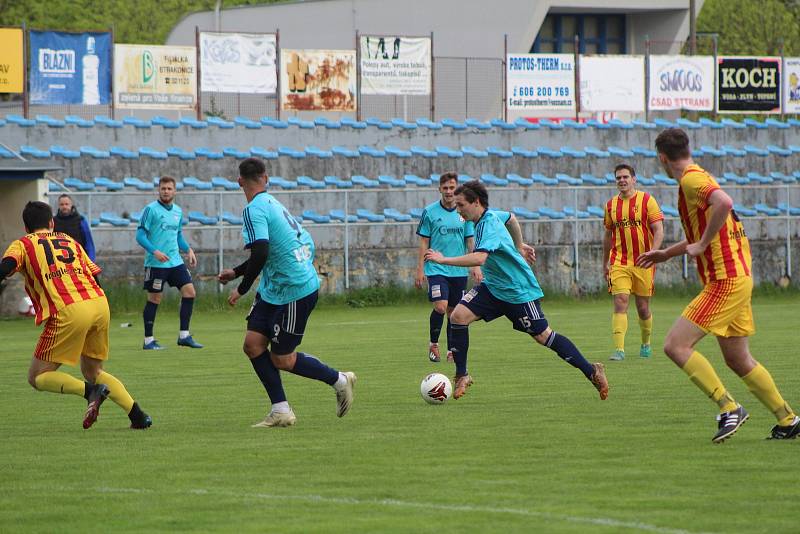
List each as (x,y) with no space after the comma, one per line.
(369,216)
(622,125)
(620,152)
(123,153)
(378,123)
(750,149)
(110,185)
(571,152)
(404,124)
(224,183)
(19,120)
(307,181)
(363,181)
(478,125)
(58,150)
(202,218)
(338,215)
(282,183)
(708,123)
(644,125)
(730,123)
(391,213)
(788,209)
(455,125)
(569,211)
(258,152)
(744,210)
(567,179)
(78,184)
(779,151)
(551,124)
(712,151)
(526,124)
(596,211)
(735,178)
(759,178)
(785,178)
(525,213)
(517,179)
(644,152)
(575,125)
(594,180)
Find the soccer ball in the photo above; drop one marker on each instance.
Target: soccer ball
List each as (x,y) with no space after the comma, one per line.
(25,307)
(436,388)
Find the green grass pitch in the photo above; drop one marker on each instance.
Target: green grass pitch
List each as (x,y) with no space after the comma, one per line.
(530,448)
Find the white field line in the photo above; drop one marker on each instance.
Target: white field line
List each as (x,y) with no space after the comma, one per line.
(395,503)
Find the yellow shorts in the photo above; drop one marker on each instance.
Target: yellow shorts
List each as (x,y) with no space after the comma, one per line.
(79,329)
(723,308)
(636,280)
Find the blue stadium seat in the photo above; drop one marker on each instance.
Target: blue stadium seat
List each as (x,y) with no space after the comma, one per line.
(405,125)
(575,125)
(224,183)
(620,152)
(503,125)
(200,185)
(780,177)
(366,214)
(788,209)
(202,218)
(551,213)
(775,123)
(290,152)
(135,182)
(664,123)
(354,124)
(333,125)
(644,125)
(136,216)
(78,121)
(307,181)
(19,120)
(413,179)
(571,152)
(526,124)
(517,179)
(708,123)
(758,125)
(644,152)
(744,210)
(136,123)
(567,179)
(363,181)
(596,152)
(645,181)
(424,152)
(750,149)
(180,153)
(313,216)
(95,153)
(378,123)
(620,124)
(78,184)
(50,121)
(164,122)
(365,150)
(416,213)
(449,152)
(710,150)
(455,125)
(542,179)
(733,151)
(397,152)
(664,179)
(594,123)
(123,153)
(152,153)
(525,153)
(550,153)
(337,182)
(499,152)
(258,152)
(274,123)
(5,153)
(464,178)
(53,187)
(551,125)
(478,125)
(524,213)
(282,183)
(208,153)
(429,124)
(592,179)
(338,215)
(110,185)
(596,211)
(698,153)
(393,214)
(201,125)
(610,178)
(28,150)
(233,152)
(779,151)
(474,152)
(569,211)
(318,152)
(345,152)
(735,178)
(767,210)
(113,219)
(232,218)
(107,121)
(666,209)
(58,150)
(730,123)
(493,180)
(688,124)
(391,181)
(759,178)
(250,124)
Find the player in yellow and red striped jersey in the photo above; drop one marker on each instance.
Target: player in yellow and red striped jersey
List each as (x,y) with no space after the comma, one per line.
(60,280)
(716,239)
(634,224)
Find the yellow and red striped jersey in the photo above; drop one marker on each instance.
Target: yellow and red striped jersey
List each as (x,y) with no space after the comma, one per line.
(629,220)
(728,255)
(57,271)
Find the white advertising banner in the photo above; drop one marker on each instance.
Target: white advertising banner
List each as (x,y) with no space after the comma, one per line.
(155,77)
(612,83)
(791,88)
(238,63)
(681,82)
(395,65)
(540,82)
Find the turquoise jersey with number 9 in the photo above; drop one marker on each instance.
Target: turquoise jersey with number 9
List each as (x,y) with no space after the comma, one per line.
(289,273)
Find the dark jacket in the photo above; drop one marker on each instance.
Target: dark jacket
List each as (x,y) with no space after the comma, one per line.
(76,226)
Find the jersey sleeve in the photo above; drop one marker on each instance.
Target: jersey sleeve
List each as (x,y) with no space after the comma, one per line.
(699,185)
(16,251)
(607,221)
(469,229)
(486,239)
(424,226)
(504,216)
(255,227)
(87,262)
(144,222)
(654,213)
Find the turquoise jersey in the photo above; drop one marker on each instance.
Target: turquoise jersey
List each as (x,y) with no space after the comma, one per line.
(289,273)
(163,227)
(505,272)
(447,231)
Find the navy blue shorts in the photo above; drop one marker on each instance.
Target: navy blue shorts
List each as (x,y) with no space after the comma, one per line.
(526,317)
(449,288)
(156,277)
(283,324)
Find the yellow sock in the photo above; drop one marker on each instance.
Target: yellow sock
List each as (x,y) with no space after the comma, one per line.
(703,375)
(116,391)
(58,382)
(760,384)
(619,326)
(647,329)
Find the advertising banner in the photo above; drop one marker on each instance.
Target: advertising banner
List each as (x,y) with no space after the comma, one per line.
(238,63)
(681,82)
(318,80)
(395,65)
(12,62)
(540,82)
(70,68)
(155,77)
(791,85)
(749,84)
(612,83)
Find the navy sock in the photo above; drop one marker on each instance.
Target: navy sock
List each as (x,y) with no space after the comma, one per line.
(310,367)
(436,321)
(568,352)
(269,376)
(460,345)
(149,316)
(186,312)
(449,335)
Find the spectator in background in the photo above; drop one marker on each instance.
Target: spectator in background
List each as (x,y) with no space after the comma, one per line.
(69,221)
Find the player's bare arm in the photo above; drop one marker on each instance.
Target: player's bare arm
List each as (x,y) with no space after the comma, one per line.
(658,233)
(474,272)
(424,245)
(473,259)
(648,259)
(607,251)
(527,251)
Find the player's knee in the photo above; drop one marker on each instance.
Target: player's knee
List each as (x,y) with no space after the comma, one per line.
(542,337)
(284,362)
(459,317)
(643,309)
(155,298)
(620,303)
(440,306)
(32,379)
(253,350)
(188,291)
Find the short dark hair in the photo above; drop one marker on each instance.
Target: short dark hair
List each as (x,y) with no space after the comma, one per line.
(167,180)
(474,190)
(64,195)
(252,169)
(36,215)
(446,177)
(673,143)
(625,166)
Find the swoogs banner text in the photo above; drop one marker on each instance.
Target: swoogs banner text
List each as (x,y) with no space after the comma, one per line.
(681,82)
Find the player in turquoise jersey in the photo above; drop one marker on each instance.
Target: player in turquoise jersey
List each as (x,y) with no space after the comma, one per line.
(509,287)
(160,234)
(442,228)
(282,252)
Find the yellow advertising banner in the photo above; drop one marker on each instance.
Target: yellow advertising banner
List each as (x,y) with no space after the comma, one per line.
(155,77)
(12,62)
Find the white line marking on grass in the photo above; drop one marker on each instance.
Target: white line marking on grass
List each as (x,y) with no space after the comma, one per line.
(361,323)
(395,503)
